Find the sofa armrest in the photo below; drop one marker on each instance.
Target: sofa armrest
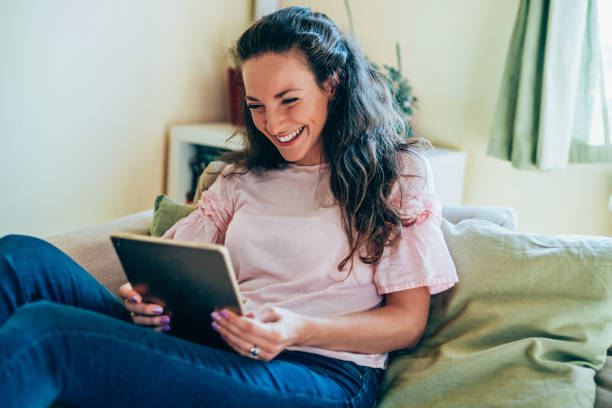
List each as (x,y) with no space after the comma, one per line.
(502,216)
(91,247)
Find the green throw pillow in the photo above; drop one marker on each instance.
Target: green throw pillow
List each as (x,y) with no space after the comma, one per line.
(166,213)
(527,325)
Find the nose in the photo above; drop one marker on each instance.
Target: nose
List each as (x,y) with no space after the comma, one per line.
(274,122)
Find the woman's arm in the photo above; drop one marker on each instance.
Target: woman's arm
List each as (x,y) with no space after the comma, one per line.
(398,324)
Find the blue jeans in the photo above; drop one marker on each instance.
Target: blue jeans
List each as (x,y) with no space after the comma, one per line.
(65,338)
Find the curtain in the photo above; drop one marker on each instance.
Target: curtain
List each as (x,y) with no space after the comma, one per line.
(552,107)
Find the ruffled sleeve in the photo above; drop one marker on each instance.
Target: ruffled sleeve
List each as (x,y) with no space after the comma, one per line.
(421,257)
(214,211)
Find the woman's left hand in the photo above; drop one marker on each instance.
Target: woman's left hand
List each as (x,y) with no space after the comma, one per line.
(262,337)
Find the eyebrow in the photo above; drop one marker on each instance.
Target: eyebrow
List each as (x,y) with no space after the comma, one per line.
(277,96)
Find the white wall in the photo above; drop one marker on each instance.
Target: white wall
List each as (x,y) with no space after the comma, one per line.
(454,54)
(88,89)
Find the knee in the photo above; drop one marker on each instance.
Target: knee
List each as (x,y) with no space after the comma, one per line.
(19,239)
(43,318)
(26,248)
(13,242)
(40,316)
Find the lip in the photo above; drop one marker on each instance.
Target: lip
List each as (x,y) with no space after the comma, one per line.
(290,142)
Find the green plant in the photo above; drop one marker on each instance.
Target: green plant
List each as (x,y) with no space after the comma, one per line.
(400,87)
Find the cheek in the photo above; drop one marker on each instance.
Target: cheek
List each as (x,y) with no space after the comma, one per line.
(312,114)
(259,122)
(323,115)
(318,111)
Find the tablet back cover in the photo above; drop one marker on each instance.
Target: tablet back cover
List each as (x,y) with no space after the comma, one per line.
(189,280)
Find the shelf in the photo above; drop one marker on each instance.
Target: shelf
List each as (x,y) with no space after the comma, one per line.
(183,142)
(448,166)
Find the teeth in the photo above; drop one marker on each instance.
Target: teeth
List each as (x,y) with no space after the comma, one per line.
(291,135)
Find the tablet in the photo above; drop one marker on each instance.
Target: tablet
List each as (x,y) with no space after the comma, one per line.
(188,279)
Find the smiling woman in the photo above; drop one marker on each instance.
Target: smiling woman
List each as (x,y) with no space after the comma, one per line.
(289,107)
(333,225)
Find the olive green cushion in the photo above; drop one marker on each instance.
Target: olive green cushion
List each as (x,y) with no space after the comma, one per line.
(528,324)
(166,212)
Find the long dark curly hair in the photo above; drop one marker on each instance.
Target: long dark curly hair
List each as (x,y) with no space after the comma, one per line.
(364,132)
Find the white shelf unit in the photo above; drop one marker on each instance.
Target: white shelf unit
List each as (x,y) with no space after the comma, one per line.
(183,142)
(448,166)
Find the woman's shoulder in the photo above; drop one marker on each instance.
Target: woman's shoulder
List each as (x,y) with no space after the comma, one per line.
(413,163)
(415,175)
(414,193)
(224,168)
(220,177)
(225,172)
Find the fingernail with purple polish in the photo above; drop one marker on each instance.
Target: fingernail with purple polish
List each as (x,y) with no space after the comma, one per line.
(224,338)
(164,320)
(165,328)
(134,299)
(158,310)
(224,313)
(215,326)
(215,316)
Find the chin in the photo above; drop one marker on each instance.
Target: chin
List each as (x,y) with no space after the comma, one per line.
(292,159)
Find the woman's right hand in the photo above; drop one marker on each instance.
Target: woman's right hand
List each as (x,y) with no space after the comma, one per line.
(144,314)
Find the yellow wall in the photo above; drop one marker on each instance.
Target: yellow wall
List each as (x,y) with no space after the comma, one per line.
(89,88)
(453,54)
(87,91)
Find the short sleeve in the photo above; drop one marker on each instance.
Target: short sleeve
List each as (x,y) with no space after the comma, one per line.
(421,257)
(214,211)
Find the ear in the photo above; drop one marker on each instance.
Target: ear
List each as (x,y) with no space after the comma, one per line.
(331,84)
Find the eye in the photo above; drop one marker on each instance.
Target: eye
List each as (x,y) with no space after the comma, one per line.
(254,106)
(289,101)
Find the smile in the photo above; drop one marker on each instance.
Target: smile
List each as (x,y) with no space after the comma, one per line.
(290,136)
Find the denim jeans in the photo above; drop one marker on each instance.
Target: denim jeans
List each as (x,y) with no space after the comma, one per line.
(65,338)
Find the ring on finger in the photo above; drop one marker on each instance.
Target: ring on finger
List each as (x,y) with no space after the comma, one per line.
(254,351)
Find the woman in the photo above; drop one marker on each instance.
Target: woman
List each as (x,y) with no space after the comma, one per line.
(333,228)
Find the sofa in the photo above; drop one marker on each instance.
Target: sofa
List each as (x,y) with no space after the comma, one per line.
(450,366)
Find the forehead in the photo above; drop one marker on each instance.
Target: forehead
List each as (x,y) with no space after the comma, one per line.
(270,72)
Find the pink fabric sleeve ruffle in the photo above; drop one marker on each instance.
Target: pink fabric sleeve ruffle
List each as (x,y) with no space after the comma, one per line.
(208,222)
(421,257)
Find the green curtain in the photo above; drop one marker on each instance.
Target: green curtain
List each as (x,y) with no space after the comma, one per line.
(553,82)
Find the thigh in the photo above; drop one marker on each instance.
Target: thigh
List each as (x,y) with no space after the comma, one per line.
(93,360)
(32,269)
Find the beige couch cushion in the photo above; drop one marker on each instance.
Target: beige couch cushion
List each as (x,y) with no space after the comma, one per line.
(91,247)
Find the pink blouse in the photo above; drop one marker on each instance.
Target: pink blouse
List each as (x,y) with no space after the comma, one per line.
(283,230)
